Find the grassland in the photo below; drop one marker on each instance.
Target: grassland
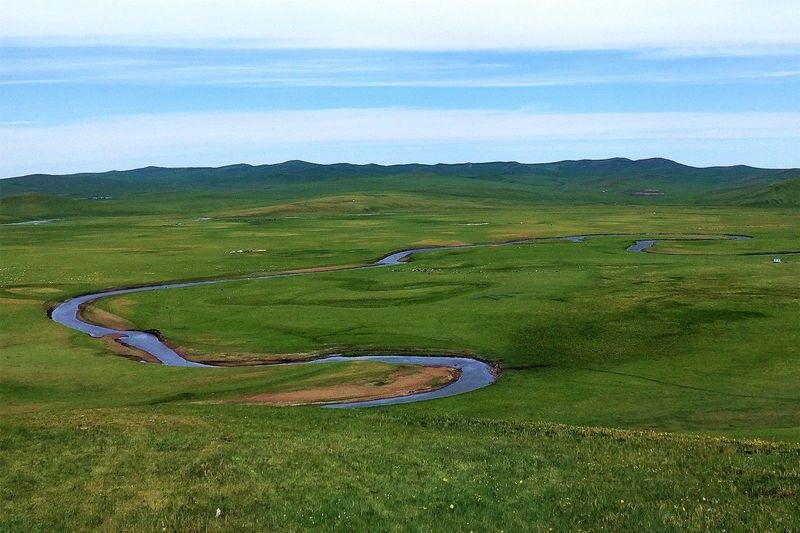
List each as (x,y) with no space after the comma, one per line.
(639,390)
(586,333)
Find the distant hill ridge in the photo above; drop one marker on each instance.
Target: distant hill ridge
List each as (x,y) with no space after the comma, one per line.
(739,183)
(615,164)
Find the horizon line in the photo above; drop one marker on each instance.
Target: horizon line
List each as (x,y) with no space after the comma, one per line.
(288,161)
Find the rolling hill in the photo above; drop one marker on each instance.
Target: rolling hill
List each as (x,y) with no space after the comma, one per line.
(616,180)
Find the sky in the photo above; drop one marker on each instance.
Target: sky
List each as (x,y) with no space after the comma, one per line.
(91,85)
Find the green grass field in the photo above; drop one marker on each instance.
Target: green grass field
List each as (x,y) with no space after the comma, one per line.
(655,390)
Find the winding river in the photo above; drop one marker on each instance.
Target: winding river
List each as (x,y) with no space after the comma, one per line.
(474,374)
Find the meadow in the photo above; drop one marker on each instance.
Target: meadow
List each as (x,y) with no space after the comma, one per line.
(654,390)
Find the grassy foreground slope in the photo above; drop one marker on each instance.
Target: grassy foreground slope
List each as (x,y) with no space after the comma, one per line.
(92,440)
(173,465)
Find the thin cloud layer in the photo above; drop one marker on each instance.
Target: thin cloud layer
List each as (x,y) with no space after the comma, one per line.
(729,26)
(308,68)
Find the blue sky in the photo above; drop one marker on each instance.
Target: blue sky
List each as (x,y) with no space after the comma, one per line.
(94,88)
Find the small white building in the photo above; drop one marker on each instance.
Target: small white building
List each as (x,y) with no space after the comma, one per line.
(776,260)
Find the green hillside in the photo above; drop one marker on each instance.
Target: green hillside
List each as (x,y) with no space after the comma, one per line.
(616,180)
(780,193)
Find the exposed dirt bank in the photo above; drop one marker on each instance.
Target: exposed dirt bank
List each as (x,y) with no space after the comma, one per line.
(113,344)
(101,317)
(402,382)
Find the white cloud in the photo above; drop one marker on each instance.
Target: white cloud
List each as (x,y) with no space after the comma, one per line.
(311,68)
(393,135)
(735,26)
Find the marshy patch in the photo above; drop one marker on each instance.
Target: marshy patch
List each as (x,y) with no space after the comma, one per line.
(31,222)
(248,252)
(33,290)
